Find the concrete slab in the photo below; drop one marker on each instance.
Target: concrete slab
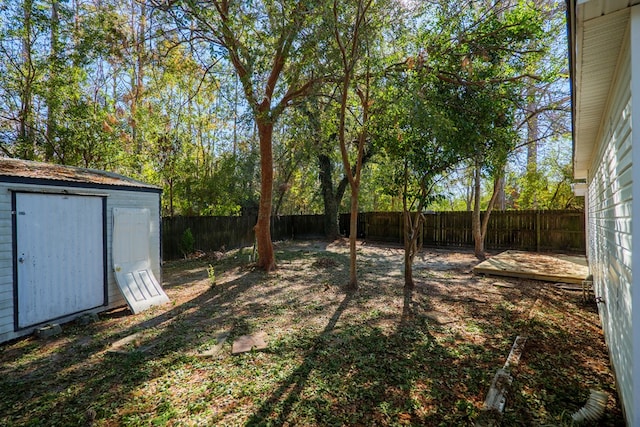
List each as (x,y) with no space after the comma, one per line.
(247,343)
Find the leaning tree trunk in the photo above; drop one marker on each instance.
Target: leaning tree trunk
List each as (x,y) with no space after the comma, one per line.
(479,225)
(266,259)
(497,188)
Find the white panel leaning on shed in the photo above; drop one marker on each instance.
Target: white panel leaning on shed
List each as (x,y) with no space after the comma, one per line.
(131,260)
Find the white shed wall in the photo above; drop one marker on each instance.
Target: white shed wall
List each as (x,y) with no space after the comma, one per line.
(115,198)
(610,199)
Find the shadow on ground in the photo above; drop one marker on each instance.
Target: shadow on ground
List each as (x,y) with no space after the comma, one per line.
(374,357)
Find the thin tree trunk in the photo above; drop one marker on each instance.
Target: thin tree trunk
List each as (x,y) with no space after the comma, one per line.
(406,216)
(353,235)
(25,128)
(412,227)
(532,146)
(52,101)
(349,59)
(411,247)
(137,77)
(408,249)
(171,211)
(475,218)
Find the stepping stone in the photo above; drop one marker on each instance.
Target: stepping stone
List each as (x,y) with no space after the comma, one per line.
(48,331)
(130,344)
(439,317)
(220,340)
(247,343)
(87,318)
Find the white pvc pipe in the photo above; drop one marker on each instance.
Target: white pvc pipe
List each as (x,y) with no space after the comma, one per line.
(594,408)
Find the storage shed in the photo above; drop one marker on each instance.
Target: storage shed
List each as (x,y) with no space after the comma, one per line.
(74,241)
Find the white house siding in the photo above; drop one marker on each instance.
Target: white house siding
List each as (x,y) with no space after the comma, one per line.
(610,234)
(634,37)
(114,198)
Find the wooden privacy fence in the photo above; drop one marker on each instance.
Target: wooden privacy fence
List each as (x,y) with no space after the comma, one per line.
(534,230)
(557,230)
(212,233)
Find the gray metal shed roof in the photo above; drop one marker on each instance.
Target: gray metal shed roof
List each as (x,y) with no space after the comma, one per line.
(16,170)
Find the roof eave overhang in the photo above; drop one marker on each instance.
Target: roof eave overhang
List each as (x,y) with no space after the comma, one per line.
(596,30)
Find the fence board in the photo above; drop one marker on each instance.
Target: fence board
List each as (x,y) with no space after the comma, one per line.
(556,230)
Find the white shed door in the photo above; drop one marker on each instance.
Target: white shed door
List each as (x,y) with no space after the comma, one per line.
(60,256)
(131,259)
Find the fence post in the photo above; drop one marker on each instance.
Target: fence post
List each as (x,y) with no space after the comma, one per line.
(537,230)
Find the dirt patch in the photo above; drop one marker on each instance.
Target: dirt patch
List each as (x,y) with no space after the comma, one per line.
(325,263)
(380,356)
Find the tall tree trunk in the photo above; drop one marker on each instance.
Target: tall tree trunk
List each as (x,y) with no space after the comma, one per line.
(171,212)
(138,76)
(52,96)
(266,258)
(235,117)
(350,57)
(26,149)
(265,114)
(332,199)
(478,241)
(331,226)
(532,146)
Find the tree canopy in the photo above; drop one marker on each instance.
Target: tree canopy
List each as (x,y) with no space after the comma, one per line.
(277,107)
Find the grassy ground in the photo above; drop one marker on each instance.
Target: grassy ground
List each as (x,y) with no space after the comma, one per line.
(376,357)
